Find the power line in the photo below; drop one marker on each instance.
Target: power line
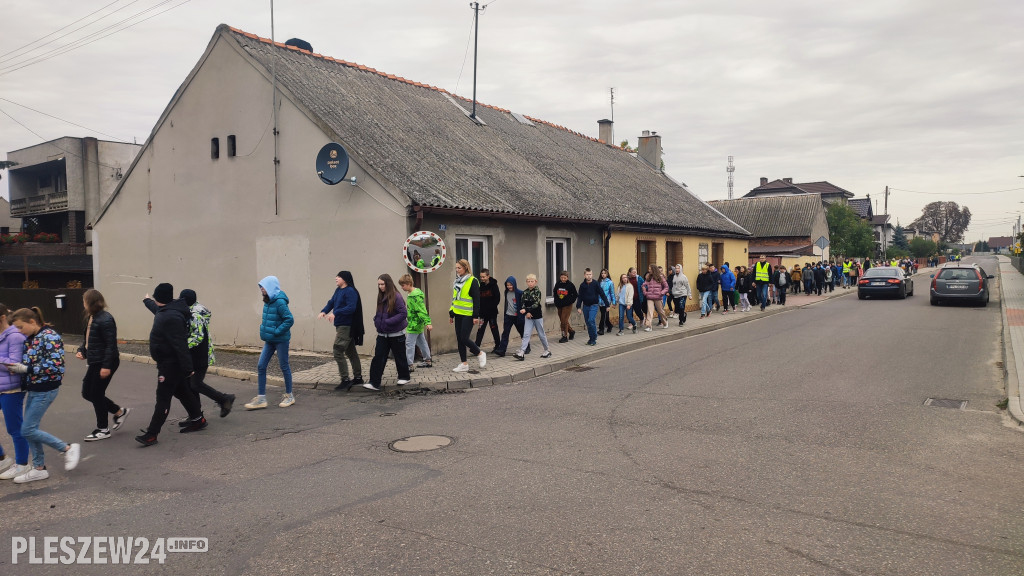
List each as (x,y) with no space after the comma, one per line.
(97,162)
(63,120)
(81,41)
(957,193)
(35,46)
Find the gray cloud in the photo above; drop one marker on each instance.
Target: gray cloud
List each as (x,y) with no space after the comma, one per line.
(921,95)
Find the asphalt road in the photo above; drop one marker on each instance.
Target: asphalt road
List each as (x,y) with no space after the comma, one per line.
(796,444)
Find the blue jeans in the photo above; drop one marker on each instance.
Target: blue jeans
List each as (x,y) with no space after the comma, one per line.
(623,314)
(12,406)
(36,404)
(762,294)
(590,316)
(412,340)
(530,326)
(282,357)
(705,303)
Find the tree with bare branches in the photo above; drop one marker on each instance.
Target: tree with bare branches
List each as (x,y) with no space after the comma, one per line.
(946,219)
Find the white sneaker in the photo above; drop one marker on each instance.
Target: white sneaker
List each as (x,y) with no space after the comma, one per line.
(257,403)
(6,462)
(15,471)
(482,358)
(371,386)
(32,475)
(464,367)
(403,382)
(287,400)
(71,456)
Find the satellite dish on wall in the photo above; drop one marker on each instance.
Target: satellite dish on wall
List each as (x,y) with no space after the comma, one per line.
(332,163)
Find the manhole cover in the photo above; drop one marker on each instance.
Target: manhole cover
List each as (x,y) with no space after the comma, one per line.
(423,443)
(946,403)
(579,368)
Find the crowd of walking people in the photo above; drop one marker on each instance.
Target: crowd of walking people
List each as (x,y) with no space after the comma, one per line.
(181,345)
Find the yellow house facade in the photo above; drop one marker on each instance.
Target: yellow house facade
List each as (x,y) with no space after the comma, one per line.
(627,249)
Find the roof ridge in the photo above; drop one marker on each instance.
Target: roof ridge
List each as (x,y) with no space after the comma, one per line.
(407,81)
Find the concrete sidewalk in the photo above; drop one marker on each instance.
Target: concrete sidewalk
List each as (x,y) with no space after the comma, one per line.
(508,369)
(1011,298)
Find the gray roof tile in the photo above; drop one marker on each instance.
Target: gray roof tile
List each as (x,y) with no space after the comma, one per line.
(414,136)
(773,216)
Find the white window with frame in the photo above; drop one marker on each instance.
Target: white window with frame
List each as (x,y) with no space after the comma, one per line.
(702,255)
(557,261)
(475,249)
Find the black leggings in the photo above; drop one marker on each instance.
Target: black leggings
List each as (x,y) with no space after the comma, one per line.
(463,330)
(396,346)
(606,321)
(94,389)
(728,300)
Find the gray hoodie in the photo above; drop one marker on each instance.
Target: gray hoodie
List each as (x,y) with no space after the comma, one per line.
(680,285)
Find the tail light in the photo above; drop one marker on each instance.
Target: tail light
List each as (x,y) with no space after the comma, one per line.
(935,282)
(978,273)
(863,281)
(894,281)
(981,281)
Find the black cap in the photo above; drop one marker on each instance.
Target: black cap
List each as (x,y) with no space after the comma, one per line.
(163,293)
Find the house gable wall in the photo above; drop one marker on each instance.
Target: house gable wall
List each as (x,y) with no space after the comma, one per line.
(210,224)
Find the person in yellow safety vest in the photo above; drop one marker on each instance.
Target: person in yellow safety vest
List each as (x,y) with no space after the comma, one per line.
(436,259)
(465,312)
(894,263)
(762,278)
(847,266)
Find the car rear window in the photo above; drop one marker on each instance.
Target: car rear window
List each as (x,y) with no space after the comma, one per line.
(957,274)
(882,273)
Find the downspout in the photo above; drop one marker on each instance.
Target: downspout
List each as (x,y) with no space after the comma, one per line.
(607,248)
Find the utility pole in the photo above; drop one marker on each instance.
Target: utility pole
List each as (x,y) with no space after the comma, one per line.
(476,36)
(885,226)
(612,91)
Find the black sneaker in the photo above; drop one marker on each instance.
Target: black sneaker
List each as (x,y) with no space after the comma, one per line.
(146,439)
(345,385)
(119,420)
(572,334)
(98,434)
(600,332)
(518,356)
(357,381)
(528,348)
(563,340)
(194,425)
(225,406)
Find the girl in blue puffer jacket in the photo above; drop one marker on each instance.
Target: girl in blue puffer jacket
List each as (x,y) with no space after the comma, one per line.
(276,332)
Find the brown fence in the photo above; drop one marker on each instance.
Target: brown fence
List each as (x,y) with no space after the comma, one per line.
(68,319)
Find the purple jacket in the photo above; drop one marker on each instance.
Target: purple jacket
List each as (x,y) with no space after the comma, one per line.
(391,323)
(12,346)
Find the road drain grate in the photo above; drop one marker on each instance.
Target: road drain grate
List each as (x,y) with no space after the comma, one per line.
(579,368)
(946,403)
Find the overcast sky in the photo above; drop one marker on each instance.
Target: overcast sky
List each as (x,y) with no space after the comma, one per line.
(920,95)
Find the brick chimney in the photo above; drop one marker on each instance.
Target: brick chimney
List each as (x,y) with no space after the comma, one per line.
(604,131)
(787,180)
(764,181)
(650,148)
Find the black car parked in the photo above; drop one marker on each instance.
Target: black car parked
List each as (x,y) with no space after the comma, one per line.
(959,281)
(885,281)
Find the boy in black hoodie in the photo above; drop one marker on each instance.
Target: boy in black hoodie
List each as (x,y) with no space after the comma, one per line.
(490,299)
(168,345)
(565,297)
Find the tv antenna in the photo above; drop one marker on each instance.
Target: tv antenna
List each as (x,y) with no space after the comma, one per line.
(730,169)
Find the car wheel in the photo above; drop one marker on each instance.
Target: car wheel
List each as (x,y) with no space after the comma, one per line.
(935,301)
(861,296)
(903,293)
